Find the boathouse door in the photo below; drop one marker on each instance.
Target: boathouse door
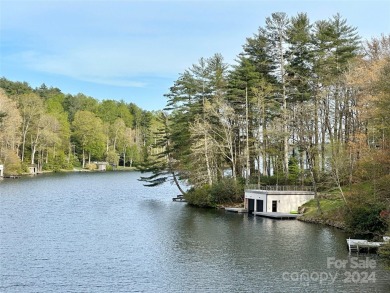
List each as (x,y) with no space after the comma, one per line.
(251,205)
(259,206)
(274,206)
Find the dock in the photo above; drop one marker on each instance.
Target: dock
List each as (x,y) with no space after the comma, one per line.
(358,245)
(236,210)
(12,176)
(179,198)
(280,216)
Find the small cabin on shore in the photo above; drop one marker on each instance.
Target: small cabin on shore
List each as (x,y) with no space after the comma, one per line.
(276,199)
(33,169)
(1,170)
(101,166)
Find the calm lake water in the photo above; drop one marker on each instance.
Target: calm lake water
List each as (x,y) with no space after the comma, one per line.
(105,232)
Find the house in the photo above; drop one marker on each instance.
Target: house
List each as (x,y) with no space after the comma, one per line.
(277,199)
(1,170)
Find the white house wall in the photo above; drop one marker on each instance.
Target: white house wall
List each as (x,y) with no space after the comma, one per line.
(287,201)
(256,195)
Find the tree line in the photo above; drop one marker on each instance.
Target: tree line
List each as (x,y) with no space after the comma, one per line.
(306,103)
(56,131)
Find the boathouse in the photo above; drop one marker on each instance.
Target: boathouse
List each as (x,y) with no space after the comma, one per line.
(276,199)
(33,169)
(1,170)
(101,166)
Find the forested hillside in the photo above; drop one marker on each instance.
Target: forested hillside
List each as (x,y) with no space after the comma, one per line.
(304,100)
(305,104)
(57,131)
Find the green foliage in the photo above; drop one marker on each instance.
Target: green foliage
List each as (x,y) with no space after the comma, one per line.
(301,56)
(58,163)
(79,102)
(57,131)
(225,191)
(108,111)
(91,166)
(294,170)
(287,91)
(11,161)
(365,218)
(384,253)
(200,197)
(383,188)
(112,157)
(14,88)
(330,206)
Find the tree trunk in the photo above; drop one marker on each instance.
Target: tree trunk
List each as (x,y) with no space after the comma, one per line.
(314,180)
(24,134)
(177,183)
(207,158)
(247,172)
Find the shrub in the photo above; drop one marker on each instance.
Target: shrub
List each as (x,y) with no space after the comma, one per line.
(91,166)
(225,191)
(364,218)
(383,188)
(199,197)
(60,162)
(11,161)
(384,253)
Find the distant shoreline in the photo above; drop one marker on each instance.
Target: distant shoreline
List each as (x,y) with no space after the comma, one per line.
(74,170)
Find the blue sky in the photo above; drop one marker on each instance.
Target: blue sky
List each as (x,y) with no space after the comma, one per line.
(135,50)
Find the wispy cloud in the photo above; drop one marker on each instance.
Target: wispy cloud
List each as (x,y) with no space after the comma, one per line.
(79,67)
(141,46)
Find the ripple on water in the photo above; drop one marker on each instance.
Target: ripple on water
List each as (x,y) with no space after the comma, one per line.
(105,232)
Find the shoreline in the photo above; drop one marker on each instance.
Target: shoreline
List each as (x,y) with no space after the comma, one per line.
(322,221)
(74,170)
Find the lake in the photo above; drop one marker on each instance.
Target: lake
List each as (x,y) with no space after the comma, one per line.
(106,232)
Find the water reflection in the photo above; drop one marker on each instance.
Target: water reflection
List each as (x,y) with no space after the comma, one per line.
(105,232)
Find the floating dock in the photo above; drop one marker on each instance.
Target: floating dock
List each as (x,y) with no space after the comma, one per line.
(280,216)
(357,245)
(236,210)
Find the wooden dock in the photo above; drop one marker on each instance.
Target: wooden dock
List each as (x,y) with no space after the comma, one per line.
(358,245)
(236,210)
(12,176)
(179,198)
(280,216)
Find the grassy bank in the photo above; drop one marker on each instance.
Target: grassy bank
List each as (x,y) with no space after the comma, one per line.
(333,211)
(363,215)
